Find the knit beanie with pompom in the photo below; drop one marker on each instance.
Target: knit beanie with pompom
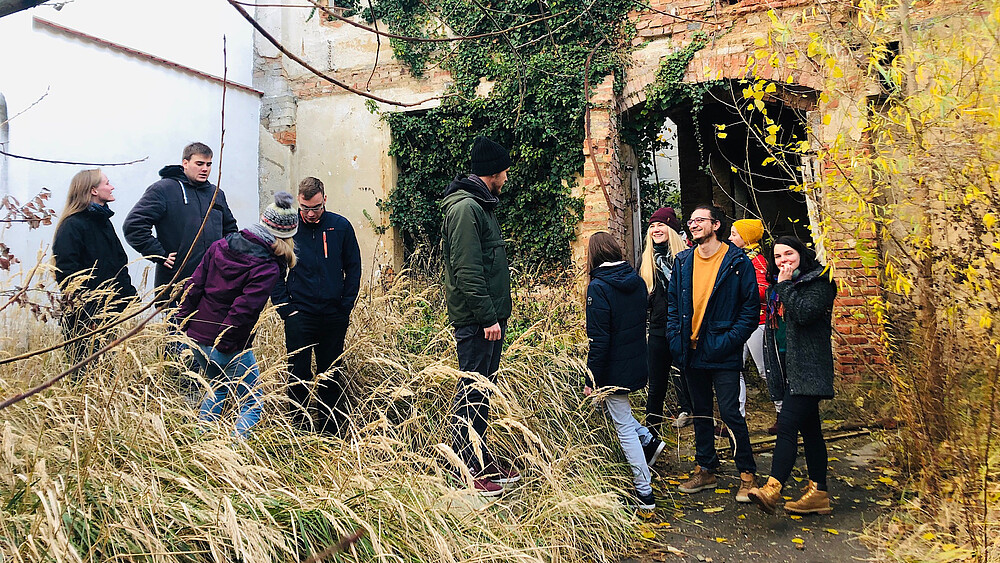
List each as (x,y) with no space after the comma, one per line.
(279,217)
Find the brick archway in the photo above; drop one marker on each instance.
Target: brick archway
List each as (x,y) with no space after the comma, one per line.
(610,162)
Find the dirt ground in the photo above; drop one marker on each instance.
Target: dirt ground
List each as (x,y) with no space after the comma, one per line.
(711,526)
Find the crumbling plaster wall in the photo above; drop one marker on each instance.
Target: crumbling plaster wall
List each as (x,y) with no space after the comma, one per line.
(309,127)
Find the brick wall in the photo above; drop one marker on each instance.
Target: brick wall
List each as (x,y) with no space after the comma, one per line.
(667,26)
(603,178)
(734,28)
(278,104)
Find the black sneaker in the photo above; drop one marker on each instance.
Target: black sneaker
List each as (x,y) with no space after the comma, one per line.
(653,450)
(645,502)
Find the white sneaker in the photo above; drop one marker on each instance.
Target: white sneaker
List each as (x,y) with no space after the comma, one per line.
(682,420)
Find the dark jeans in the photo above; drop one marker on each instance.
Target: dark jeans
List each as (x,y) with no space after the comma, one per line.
(323,335)
(799,415)
(727,390)
(472,403)
(73,325)
(659,361)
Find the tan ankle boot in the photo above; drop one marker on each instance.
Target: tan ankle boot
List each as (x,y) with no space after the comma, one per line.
(813,501)
(766,497)
(747,482)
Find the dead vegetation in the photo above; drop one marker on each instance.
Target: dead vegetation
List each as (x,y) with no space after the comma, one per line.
(115,465)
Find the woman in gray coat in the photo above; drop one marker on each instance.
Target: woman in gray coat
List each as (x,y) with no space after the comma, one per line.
(799,312)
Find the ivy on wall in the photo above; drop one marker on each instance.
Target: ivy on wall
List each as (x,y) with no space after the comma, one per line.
(535,108)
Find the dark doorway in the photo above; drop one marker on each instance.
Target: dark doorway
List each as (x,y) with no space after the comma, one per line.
(738,171)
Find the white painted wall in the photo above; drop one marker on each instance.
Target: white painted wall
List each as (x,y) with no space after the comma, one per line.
(107,106)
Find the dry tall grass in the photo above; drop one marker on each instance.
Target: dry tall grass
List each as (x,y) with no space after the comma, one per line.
(114,467)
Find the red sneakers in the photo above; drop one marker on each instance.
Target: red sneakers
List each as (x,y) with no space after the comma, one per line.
(483,485)
(487,488)
(501,474)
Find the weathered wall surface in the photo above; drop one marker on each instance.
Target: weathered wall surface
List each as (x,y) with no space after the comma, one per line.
(314,128)
(103,97)
(733,29)
(309,127)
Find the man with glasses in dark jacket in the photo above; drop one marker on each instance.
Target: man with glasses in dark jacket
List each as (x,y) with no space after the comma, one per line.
(315,300)
(712,309)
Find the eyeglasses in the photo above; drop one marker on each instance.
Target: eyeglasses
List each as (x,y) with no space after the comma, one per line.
(313,208)
(698,220)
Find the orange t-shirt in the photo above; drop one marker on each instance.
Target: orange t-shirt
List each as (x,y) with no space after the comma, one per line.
(702,283)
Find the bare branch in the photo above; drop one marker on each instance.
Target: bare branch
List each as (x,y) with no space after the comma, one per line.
(50,161)
(8,7)
(33,104)
(378,48)
(612,210)
(42,387)
(260,29)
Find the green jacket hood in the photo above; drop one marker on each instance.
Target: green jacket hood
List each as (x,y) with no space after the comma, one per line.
(466,186)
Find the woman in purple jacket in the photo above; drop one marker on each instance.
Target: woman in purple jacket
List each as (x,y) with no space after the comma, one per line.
(224,299)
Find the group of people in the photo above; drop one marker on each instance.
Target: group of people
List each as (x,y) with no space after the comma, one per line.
(306,261)
(698,310)
(706,310)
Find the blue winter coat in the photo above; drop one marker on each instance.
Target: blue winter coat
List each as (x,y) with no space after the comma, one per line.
(616,327)
(731,316)
(327,278)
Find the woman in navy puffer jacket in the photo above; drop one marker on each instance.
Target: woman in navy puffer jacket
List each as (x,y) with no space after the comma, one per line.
(616,328)
(224,299)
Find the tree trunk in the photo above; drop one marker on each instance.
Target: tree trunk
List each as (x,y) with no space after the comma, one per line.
(931,385)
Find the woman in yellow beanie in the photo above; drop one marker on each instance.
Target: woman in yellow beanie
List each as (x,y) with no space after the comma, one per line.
(746,234)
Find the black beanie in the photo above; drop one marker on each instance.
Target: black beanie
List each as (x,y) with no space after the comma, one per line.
(488,158)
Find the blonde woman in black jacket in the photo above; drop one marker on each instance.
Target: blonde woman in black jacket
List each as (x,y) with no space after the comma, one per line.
(86,245)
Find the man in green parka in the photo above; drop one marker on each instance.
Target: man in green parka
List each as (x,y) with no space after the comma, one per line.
(477,287)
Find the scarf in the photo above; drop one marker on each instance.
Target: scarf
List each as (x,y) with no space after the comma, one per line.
(664,261)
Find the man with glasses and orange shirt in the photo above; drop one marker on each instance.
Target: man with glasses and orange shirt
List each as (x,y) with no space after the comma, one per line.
(315,300)
(712,309)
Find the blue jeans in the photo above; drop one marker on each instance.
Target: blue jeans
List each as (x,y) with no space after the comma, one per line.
(235,373)
(632,436)
(727,391)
